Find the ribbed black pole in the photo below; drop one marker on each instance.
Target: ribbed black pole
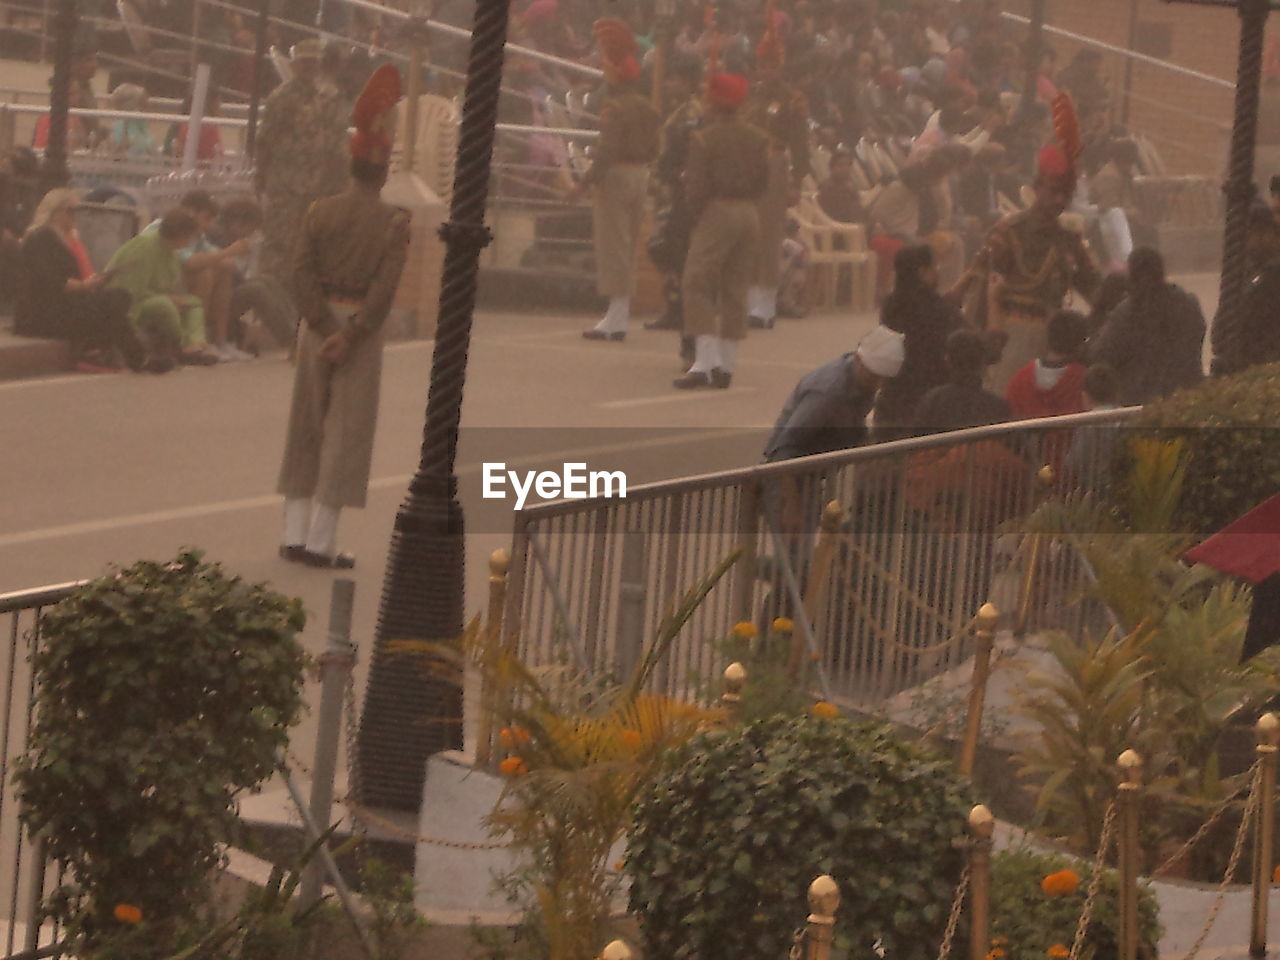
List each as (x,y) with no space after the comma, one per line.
(1035,48)
(1239,188)
(407,713)
(259,80)
(65,21)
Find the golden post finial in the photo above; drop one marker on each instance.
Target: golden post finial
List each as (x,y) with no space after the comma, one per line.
(832,516)
(499,563)
(616,950)
(981,823)
(1268,730)
(1045,476)
(824,899)
(735,677)
(988,617)
(1130,764)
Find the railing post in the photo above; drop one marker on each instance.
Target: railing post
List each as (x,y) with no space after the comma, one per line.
(1130,798)
(744,572)
(824,899)
(982,826)
(735,677)
(33,910)
(819,573)
(1268,731)
(499,564)
(631,595)
(336,663)
(615,950)
(984,634)
(1044,483)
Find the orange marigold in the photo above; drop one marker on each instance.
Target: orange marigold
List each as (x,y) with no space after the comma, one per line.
(783,625)
(127,913)
(1059,951)
(513,767)
(631,739)
(1275,875)
(1061,884)
(513,737)
(745,630)
(824,710)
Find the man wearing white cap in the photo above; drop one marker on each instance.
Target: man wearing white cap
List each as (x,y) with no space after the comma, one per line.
(299,156)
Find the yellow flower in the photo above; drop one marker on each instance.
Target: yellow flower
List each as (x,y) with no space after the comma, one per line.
(127,913)
(1059,951)
(745,630)
(825,711)
(631,739)
(783,625)
(513,767)
(1061,884)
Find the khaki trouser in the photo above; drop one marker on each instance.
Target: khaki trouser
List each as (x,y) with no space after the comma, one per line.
(1028,339)
(617,213)
(719,269)
(773,221)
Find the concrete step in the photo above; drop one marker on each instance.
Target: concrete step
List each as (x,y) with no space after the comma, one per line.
(22,357)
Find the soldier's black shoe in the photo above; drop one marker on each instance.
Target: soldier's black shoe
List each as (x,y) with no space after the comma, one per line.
(720,379)
(692,381)
(759,323)
(594,334)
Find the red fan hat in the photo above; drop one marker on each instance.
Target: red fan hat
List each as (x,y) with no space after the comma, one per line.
(727,90)
(373,117)
(1058,161)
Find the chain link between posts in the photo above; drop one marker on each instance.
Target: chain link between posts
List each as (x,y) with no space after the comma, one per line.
(1095,881)
(953,921)
(1208,825)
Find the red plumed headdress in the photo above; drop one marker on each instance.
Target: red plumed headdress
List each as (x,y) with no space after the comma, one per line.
(618,49)
(1058,160)
(373,117)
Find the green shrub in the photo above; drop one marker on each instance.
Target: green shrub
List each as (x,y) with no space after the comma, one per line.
(1027,923)
(723,849)
(165,689)
(1228,428)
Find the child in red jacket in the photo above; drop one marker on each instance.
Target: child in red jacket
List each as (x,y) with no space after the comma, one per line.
(1053,384)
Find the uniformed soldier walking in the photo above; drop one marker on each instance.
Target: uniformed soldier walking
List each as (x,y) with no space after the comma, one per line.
(726,176)
(298,156)
(619,176)
(350,256)
(780,110)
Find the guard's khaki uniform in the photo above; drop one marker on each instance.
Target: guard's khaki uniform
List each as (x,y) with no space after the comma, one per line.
(351,253)
(782,112)
(628,143)
(727,174)
(1031,264)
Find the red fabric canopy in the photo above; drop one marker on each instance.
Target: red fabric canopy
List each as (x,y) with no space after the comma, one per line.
(1249,548)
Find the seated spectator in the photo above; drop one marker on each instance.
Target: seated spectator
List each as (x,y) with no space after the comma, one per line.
(210,145)
(1053,384)
(208,270)
(961,402)
(19,197)
(77,129)
(130,136)
(793,274)
(269,302)
(916,310)
(148,269)
(838,195)
(1154,340)
(62,298)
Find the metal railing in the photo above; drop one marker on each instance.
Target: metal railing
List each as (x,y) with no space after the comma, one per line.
(926,542)
(24,871)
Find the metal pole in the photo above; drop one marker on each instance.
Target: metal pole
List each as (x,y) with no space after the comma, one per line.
(1129,799)
(1239,188)
(824,900)
(631,597)
(195,35)
(984,635)
(819,573)
(490,699)
(982,826)
(336,663)
(409,715)
(416,33)
(1268,731)
(1128,64)
(199,94)
(259,75)
(55,155)
(33,909)
(1035,47)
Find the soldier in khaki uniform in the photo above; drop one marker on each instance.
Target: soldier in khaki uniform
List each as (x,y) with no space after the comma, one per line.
(727,173)
(350,256)
(780,110)
(619,176)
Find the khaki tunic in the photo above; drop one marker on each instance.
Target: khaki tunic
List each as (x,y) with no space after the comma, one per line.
(727,173)
(1032,265)
(353,248)
(781,111)
(629,135)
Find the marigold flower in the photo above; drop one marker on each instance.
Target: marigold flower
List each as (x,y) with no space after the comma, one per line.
(1275,875)
(825,711)
(997,953)
(127,913)
(1061,884)
(1059,951)
(513,767)
(513,737)
(999,941)
(631,739)
(783,625)
(745,630)
(618,865)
